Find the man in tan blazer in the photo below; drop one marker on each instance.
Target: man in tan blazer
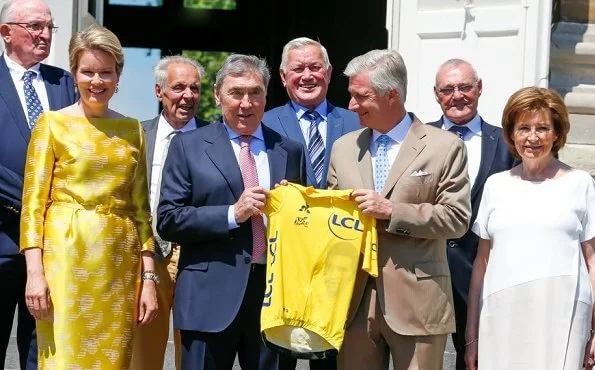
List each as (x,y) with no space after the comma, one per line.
(413,179)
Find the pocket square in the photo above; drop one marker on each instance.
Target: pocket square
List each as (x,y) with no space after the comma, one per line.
(419,173)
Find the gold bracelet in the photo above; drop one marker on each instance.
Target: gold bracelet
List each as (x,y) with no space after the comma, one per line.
(471,342)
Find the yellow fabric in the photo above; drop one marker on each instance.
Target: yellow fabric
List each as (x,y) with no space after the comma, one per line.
(315,240)
(85,203)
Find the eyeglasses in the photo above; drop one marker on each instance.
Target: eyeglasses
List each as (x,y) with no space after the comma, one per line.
(541,131)
(449,90)
(35,27)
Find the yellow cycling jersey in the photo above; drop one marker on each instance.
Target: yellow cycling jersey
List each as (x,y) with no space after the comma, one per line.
(317,241)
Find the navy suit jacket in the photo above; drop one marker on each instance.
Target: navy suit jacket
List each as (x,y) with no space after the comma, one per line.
(495,157)
(339,122)
(14,139)
(201,179)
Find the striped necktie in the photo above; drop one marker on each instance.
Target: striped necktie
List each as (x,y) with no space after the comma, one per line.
(315,144)
(34,108)
(460,131)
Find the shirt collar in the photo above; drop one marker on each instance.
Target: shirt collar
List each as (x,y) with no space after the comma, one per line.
(474,125)
(234,135)
(320,109)
(164,128)
(18,70)
(398,132)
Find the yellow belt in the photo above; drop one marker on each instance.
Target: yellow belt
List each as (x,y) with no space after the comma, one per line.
(99,208)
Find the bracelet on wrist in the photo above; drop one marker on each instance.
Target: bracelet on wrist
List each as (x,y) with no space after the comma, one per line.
(150,275)
(471,342)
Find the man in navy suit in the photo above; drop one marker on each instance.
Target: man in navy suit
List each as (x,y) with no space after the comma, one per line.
(214,186)
(457,90)
(306,73)
(26,28)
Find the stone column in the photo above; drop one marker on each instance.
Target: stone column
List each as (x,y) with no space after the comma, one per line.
(572,74)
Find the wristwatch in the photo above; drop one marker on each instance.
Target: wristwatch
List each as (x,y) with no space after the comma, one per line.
(150,275)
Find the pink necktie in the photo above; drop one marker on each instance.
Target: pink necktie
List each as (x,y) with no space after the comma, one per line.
(250,179)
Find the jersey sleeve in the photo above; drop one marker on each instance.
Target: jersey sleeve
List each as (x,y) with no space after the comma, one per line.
(275,200)
(370,246)
(588,221)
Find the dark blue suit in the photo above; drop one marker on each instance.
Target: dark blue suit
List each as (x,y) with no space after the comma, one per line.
(495,157)
(14,138)
(339,122)
(219,292)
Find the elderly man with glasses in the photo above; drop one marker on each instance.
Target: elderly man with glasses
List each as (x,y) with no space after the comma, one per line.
(27,88)
(457,90)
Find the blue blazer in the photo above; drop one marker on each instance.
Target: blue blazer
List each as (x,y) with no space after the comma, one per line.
(14,139)
(201,179)
(340,121)
(495,157)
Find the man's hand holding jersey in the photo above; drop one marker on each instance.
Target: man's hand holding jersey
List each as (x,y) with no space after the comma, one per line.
(250,203)
(373,204)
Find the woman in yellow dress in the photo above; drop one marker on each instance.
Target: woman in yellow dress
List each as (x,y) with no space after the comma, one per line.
(85,226)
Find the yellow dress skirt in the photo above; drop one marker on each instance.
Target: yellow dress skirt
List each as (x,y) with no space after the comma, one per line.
(85,203)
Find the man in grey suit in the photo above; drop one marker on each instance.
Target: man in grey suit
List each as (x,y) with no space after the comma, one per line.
(308,117)
(177,86)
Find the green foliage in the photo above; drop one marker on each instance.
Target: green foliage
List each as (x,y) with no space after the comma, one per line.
(211,61)
(210,4)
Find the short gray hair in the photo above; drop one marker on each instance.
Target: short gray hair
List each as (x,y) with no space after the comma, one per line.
(7,7)
(387,71)
(240,64)
(453,63)
(160,70)
(299,43)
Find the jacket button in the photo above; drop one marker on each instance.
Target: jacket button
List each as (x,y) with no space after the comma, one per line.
(247,259)
(452,244)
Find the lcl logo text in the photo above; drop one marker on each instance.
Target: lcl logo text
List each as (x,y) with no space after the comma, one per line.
(346,228)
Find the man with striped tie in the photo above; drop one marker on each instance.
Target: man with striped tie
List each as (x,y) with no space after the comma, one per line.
(308,117)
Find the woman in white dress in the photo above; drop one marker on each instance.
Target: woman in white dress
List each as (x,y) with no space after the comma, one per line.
(530,300)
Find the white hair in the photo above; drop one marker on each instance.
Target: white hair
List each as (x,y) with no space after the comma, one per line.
(299,43)
(387,71)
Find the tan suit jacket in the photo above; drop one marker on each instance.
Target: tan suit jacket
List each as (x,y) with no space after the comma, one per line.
(414,289)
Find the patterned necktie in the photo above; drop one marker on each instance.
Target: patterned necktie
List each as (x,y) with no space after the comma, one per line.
(315,144)
(381,161)
(34,108)
(250,179)
(164,246)
(460,131)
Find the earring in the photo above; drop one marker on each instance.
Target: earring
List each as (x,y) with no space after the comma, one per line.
(117,88)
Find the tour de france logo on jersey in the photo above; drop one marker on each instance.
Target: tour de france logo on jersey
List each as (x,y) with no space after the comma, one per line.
(344,226)
(303,219)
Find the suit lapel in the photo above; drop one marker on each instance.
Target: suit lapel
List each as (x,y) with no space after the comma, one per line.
(292,130)
(221,154)
(364,159)
(276,155)
(411,147)
(334,128)
(489,143)
(52,88)
(8,93)
(150,137)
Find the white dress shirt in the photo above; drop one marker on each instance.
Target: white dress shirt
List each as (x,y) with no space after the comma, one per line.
(472,143)
(397,135)
(17,72)
(305,124)
(159,155)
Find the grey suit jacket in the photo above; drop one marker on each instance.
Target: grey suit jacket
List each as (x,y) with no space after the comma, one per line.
(150,129)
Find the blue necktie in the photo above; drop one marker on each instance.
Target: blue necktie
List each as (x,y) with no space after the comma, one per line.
(460,131)
(381,161)
(315,144)
(34,108)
